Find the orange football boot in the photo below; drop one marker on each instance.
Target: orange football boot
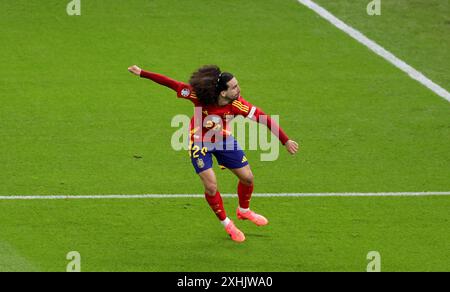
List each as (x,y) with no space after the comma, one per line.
(252,216)
(234,232)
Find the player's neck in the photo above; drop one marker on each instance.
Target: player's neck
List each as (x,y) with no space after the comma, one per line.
(222,101)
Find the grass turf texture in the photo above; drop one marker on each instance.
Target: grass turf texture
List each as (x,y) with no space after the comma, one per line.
(310,234)
(416,31)
(73,118)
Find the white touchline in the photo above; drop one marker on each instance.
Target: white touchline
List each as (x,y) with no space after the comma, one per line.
(379,50)
(172,196)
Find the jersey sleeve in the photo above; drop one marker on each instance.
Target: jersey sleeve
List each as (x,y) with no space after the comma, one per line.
(182,89)
(185,91)
(246,109)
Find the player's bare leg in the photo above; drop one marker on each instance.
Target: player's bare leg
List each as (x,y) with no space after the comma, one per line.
(214,200)
(244,174)
(209,181)
(245,190)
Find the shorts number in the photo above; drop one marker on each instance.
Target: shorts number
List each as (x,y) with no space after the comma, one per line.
(195,151)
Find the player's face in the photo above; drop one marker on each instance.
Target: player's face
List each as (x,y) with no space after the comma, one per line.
(233,90)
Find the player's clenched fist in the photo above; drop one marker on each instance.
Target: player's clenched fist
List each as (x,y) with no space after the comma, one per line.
(291,146)
(135,70)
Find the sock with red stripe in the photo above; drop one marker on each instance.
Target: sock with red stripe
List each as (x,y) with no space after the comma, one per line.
(245,194)
(216,204)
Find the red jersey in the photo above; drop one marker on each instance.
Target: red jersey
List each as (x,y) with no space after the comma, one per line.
(215,118)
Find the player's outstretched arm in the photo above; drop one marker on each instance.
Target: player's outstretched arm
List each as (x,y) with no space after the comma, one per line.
(158,78)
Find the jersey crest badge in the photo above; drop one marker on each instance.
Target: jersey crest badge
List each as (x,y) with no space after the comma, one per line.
(185,92)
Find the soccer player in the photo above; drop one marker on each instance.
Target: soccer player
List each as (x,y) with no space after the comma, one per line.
(217,95)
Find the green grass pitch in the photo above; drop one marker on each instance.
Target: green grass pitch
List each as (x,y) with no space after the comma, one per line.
(73,121)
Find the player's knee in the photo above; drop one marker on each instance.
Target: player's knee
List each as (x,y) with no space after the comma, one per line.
(211,188)
(248,179)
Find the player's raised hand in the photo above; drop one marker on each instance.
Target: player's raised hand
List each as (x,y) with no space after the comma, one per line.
(135,70)
(291,146)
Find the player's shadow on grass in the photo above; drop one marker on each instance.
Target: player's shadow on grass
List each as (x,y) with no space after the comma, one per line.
(256,235)
(252,235)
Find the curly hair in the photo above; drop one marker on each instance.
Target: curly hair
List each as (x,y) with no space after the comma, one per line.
(208,82)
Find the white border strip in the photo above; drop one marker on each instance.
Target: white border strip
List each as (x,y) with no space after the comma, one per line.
(379,50)
(172,196)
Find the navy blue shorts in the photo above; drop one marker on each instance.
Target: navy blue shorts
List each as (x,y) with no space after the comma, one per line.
(227,152)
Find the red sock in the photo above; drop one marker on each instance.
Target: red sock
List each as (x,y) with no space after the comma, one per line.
(245,194)
(216,204)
